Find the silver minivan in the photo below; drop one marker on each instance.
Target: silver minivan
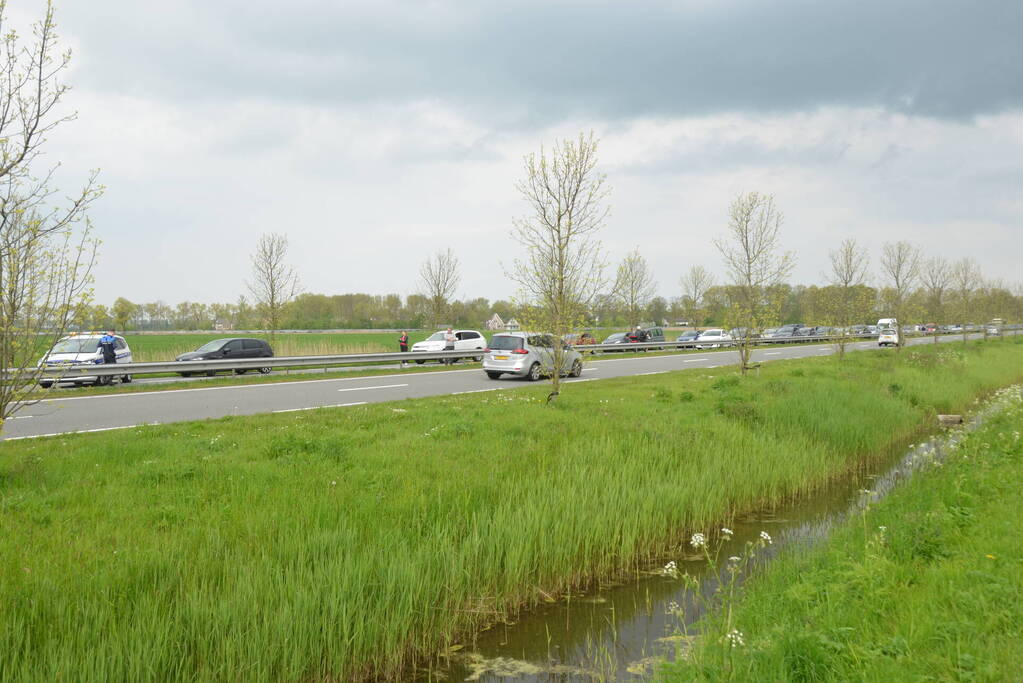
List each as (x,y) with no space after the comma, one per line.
(528,354)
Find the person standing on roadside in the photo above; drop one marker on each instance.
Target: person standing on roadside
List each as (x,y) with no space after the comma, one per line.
(403,345)
(449,345)
(108,347)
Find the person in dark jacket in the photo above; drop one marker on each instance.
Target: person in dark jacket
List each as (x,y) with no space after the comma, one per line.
(108,347)
(403,344)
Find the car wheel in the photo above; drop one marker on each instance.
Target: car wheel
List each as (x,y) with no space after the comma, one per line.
(493,375)
(577,369)
(185,374)
(240,371)
(46,385)
(211,373)
(126,379)
(420,362)
(105,380)
(264,371)
(534,372)
(478,359)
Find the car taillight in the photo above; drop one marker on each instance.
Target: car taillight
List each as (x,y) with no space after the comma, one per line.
(520,351)
(486,350)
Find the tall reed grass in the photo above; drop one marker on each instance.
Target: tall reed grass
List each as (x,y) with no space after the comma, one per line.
(341,543)
(924,585)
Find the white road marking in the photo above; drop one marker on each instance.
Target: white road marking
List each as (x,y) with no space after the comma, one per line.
(80,431)
(655,372)
(772,353)
(582,379)
(379,386)
(336,405)
(694,360)
(474,391)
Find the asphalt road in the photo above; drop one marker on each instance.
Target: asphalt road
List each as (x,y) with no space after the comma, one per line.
(112,411)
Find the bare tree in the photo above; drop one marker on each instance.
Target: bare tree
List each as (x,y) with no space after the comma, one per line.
(695,284)
(756,266)
(937,278)
(900,266)
(966,280)
(438,282)
(46,248)
(274,282)
(847,296)
(563,269)
(634,285)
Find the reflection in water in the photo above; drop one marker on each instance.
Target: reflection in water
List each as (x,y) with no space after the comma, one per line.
(619,631)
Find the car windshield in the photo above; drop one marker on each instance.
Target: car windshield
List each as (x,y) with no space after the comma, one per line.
(888,330)
(79,345)
(212,346)
(714,333)
(505,343)
(615,337)
(436,336)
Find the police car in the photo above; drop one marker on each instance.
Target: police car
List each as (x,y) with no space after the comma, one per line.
(82,349)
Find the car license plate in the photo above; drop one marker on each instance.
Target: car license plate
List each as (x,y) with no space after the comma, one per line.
(500,357)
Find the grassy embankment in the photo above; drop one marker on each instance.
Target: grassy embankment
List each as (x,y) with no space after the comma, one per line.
(925,586)
(335,542)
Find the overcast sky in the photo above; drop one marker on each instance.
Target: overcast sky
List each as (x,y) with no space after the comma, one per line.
(374,133)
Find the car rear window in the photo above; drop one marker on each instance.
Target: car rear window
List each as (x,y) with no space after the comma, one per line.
(505,343)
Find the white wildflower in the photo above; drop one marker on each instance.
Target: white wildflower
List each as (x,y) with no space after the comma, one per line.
(734,559)
(670,569)
(766,537)
(673,607)
(735,638)
(726,531)
(698,541)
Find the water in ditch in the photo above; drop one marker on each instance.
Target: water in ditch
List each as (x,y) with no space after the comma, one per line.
(615,632)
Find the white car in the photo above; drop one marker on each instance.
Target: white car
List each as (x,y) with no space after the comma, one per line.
(889,336)
(83,349)
(465,340)
(712,339)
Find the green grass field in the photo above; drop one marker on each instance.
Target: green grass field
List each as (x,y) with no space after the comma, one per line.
(159,347)
(338,543)
(925,586)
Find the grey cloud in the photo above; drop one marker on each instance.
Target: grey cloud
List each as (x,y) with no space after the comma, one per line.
(533,62)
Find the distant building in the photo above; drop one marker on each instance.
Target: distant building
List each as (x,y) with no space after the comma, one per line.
(512,325)
(495,323)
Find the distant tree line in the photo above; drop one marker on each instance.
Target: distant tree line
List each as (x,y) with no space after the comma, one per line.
(808,304)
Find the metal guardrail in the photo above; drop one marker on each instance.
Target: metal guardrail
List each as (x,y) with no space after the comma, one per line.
(71,372)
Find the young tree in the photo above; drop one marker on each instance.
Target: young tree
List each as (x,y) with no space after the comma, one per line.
(937,278)
(438,281)
(846,299)
(562,272)
(751,252)
(46,248)
(695,284)
(966,280)
(123,312)
(634,286)
(900,265)
(274,283)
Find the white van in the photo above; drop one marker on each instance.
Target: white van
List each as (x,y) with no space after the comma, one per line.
(888,333)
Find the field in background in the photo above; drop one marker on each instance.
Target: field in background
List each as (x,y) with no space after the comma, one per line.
(162,347)
(334,543)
